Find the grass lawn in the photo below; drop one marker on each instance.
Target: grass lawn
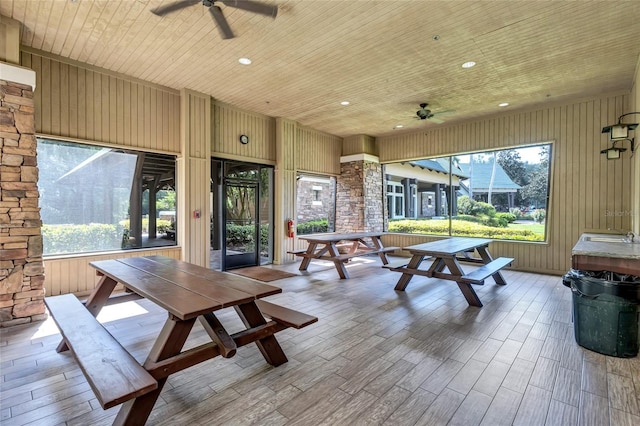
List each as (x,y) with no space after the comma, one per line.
(536,228)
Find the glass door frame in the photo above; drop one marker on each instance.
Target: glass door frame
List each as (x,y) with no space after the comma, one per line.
(219,184)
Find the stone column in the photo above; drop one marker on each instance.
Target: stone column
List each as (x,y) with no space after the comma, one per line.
(21,266)
(359,203)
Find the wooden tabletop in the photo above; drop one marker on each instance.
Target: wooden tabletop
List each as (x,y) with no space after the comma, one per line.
(448,246)
(334,238)
(183,289)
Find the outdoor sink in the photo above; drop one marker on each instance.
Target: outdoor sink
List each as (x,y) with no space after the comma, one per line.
(607,238)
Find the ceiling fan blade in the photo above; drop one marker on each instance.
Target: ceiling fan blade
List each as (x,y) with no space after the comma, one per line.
(221,21)
(172,7)
(436,120)
(253,6)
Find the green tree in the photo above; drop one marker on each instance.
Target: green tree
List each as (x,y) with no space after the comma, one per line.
(166,200)
(537,189)
(516,169)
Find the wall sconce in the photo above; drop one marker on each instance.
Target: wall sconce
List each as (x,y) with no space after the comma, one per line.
(619,132)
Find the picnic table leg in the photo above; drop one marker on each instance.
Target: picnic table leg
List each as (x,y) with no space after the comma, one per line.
(95,302)
(169,343)
(466,289)
(251,316)
(307,260)
(377,244)
(403,282)
(342,270)
(486,258)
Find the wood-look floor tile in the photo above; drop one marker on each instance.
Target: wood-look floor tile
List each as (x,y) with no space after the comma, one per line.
(303,403)
(487,350)
(412,409)
(533,408)
(418,374)
(442,409)
(441,377)
(472,410)
(345,412)
(383,407)
(376,356)
(467,376)
(388,379)
(567,387)
(593,410)
(544,374)
(594,378)
(530,350)
(561,414)
(518,376)
(622,394)
(492,377)
(503,408)
(623,418)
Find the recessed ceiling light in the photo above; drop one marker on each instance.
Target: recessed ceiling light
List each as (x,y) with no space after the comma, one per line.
(468,64)
(345,103)
(399,126)
(244,61)
(503,104)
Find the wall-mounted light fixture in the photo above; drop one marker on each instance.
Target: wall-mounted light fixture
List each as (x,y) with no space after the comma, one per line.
(619,132)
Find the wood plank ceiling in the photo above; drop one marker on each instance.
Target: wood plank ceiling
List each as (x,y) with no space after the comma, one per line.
(381,56)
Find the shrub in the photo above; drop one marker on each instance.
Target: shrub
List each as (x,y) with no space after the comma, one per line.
(516,212)
(467,206)
(462,228)
(312,226)
(70,238)
(161,225)
(242,236)
(539,215)
(509,217)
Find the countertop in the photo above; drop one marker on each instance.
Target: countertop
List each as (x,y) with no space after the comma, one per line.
(620,250)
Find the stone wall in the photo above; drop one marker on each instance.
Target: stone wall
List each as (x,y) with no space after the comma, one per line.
(315,201)
(21,265)
(359,202)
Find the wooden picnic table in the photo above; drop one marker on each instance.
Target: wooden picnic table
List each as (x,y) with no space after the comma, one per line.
(447,253)
(187,292)
(325,247)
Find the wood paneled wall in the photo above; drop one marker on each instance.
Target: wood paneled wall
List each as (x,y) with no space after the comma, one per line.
(230,122)
(588,192)
(194,175)
(285,188)
(85,103)
(317,152)
(79,102)
(74,275)
(635,107)
(359,144)
(9,40)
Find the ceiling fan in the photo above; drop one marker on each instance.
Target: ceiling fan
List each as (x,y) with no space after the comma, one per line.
(425,114)
(216,12)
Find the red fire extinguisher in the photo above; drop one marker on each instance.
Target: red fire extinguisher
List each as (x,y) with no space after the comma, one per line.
(290,228)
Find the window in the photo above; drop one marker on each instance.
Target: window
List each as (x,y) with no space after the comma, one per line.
(95,198)
(395,198)
(495,194)
(315,204)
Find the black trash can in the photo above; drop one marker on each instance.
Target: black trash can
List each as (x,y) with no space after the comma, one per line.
(605,311)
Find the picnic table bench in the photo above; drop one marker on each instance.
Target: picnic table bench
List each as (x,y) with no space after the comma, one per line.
(188,292)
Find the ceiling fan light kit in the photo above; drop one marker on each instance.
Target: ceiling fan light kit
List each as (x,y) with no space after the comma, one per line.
(216,11)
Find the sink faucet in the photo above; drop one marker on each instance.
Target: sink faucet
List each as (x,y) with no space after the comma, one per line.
(630,236)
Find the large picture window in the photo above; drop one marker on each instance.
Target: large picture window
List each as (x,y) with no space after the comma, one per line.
(499,194)
(315,204)
(96,198)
